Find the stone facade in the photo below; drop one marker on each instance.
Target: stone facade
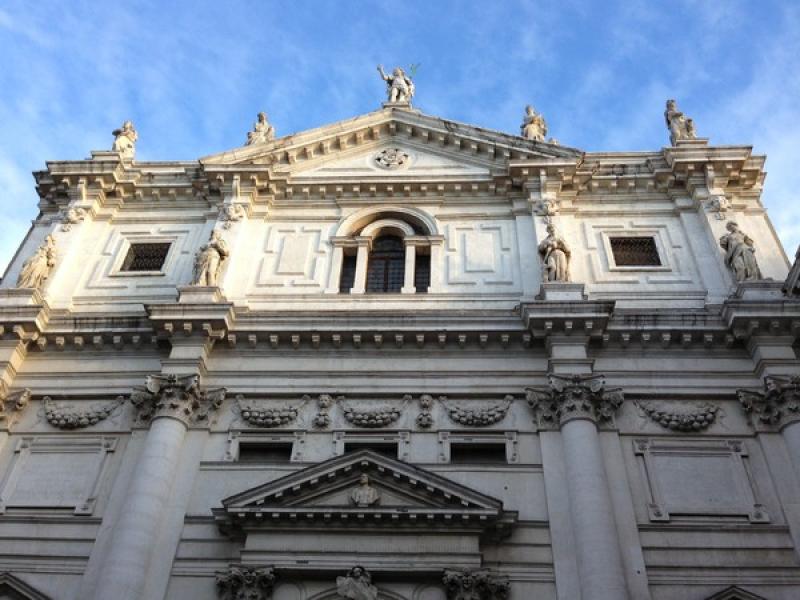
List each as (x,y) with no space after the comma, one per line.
(401,358)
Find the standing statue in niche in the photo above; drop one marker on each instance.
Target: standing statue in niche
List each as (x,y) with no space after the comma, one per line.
(262,133)
(400,88)
(37,268)
(357,585)
(209,259)
(125,140)
(533,125)
(364,494)
(680,127)
(740,253)
(555,256)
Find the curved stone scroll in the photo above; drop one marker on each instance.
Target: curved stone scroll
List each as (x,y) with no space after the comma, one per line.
(64,416)
(374,417)
(266,414)
(681,419)
(479,417)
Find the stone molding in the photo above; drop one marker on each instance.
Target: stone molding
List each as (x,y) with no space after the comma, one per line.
(574,397)
(177,397)
(777,406)
(63,416)
(478,584)
(241,582)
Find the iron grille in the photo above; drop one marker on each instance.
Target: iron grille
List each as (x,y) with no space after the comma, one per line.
(386,268)
(635,252)
(348,277)
(145,257)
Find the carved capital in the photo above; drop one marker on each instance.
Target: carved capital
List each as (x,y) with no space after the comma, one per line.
(177,397)
(245,583)
(574,397)
(12,404)
(775,407)
(479,584)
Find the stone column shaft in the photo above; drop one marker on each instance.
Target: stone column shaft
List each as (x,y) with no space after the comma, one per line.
(409,272)
(362,260)
(334,279)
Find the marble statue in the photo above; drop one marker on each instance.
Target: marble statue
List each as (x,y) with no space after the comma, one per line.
(37,268)
(364,494)
(400,88)
(740,253)
(262,133)
(555,255)
(533,125)
(680,127)
(209,259)
(357,585)
(125,140)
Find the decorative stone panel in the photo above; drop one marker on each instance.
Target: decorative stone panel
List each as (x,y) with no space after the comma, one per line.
(63,416)
(479,584)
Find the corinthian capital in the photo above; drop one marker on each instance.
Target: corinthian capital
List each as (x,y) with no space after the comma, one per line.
(574,397)
(478,584)
(241,582)
(178,397)
(777,406)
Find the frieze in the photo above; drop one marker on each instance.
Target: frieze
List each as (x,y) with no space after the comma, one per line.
(241,582)
(482,416)
(266,414)
(63,416)
(681,418)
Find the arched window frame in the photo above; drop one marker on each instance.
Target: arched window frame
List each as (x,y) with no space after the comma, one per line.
(366,228)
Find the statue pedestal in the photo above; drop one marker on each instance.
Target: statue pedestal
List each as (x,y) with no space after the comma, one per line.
(761,289)
(695,143)
(21,297)
(555,291)
(199,294)
(400,105)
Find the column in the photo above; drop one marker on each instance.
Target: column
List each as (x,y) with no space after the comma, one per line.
(335,275)
(409,272)
(437,264)
(362,260)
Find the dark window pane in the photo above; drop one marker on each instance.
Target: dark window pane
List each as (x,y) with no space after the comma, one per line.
(478,453)
(635,252)
(422,273)
(386,268)
(383,448)
(145,257)
(348,277)
(265,453)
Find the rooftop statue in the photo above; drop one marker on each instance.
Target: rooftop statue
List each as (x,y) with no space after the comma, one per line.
(533,125)
(37,268)
(400,88)
(125,140)
(680,127)
(262,133)
(209,259)
(357,585)
(740,253)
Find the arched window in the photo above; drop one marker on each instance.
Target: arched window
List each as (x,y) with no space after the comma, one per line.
(386,269)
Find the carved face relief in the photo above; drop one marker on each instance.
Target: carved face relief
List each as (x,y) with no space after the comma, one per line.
(392,158)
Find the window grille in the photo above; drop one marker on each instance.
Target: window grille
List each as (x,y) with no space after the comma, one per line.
(386,268)
(145,257)
(635,252)
(422,273)
(348,277)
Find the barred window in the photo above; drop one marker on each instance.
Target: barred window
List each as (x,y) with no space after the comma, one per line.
(386,268)
(145,257)
(635,252)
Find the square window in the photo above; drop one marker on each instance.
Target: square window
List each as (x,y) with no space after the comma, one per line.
(265,453)
(635,252)
(145,257)
(478,454)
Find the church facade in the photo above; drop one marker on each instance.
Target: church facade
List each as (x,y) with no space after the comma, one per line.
(399,357)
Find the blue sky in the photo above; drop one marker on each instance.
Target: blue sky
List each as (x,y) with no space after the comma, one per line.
(193,75)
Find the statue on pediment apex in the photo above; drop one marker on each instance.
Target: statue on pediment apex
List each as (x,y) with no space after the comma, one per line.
(262,133)
(400,89)
(533,127)
(357,585)
(680,127)
(125,140)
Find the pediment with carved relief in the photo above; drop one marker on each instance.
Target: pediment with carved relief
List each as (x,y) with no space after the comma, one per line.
(365,487)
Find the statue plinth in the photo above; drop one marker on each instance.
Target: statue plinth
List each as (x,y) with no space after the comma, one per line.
(21,297)
(199,294)
(693,143)
(106,155)
(400,105)
(759,289)
(555,291)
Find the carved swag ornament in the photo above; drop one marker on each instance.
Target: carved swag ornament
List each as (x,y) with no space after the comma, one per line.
(475,585)
(574,397)
(64,416)
(777,405)
(179,397)
(245,583)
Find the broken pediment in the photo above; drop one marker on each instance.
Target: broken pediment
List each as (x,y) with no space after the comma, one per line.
(365,487)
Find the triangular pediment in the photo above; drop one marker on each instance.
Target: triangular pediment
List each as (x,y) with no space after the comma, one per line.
(350,147)
(734,592)
(404,494)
